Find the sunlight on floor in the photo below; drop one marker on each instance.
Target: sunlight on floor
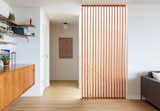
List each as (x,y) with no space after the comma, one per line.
(63,89)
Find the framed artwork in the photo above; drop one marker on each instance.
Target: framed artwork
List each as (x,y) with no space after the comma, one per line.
(65,48)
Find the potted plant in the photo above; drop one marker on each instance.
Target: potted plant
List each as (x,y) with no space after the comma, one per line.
(6,60)
(11,17)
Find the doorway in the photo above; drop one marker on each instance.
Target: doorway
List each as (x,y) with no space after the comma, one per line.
(64,57)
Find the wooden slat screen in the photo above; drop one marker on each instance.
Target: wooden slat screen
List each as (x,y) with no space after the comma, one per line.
(104,51)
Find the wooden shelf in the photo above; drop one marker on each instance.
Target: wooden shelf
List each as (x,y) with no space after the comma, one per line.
(25,36)
(7,42)
(23,26)
(15,35)
(13,24)
(6,20)
(6,32)
(11,33)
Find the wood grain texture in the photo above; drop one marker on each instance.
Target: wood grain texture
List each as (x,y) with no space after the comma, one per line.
(14,83)
(65,96)
(104,51)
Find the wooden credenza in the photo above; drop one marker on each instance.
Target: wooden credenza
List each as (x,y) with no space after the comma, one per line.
(14,81)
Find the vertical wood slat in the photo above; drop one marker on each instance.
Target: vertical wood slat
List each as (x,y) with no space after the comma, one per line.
(82,51)
(108,54)
(122,52)
(125,53)
(112,52)
(104,51)
(98,57)
(91,45)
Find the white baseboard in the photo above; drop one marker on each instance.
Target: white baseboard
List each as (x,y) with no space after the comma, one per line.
(43,87)
(134,97)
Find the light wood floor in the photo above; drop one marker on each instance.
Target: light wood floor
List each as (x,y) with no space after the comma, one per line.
(65,96)
(63,89)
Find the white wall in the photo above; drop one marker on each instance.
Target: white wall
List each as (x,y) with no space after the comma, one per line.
(36,49)
(80,52)
(143,44)
(44,50)
(64,69)
(28,52)
(4,8)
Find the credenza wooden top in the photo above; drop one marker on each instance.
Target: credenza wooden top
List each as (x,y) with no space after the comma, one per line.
(3,70)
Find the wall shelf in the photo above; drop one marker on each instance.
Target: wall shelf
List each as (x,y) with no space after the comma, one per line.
(6,32)
(24,36)
(13,24)
(6,20)
(15,35)
(7,42)
(23,26)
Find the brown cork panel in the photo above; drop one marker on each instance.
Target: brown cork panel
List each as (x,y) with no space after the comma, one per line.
(65,48)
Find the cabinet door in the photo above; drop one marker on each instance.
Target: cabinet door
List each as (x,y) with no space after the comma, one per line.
(13,84)
(31,75)
(7,89)
(21,77)
(1,93)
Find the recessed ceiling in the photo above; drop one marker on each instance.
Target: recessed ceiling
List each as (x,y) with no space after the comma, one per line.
(62,9)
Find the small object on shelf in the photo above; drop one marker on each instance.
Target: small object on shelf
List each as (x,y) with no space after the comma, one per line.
(6,20)
(33,34)
(13,58)
(12,23)
(6,62)
(8,30)
(3,30)
(11,17)
(30,21)
(5,57)
(1,37)
(18,30)
(15,35)
(3,52)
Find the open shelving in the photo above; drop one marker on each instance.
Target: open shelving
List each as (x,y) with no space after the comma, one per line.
(7,42)
(13,34)
(13,24)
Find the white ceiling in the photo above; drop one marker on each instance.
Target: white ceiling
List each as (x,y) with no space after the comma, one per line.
(60,10)
(57,10)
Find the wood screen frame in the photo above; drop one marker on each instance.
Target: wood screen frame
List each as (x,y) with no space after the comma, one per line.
(105,79)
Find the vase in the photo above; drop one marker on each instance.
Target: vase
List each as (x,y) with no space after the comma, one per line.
(6,63)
